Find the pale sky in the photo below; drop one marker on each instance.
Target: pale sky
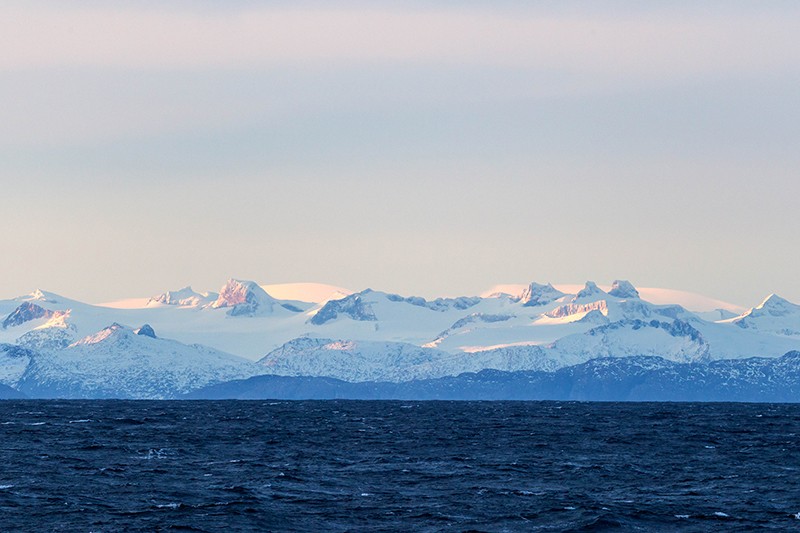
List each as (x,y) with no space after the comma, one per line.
(393,145)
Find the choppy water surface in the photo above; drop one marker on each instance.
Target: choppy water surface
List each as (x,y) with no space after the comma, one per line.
(372,466)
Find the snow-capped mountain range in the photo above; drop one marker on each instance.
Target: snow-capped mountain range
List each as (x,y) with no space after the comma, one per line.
(180,340)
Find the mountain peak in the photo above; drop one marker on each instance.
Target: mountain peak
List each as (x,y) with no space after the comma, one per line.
(538,294)
(774,305)
(244,298)
(115,329)
(773,300)
(185,297)
(774,314)
(623,289)
(352,306)
(589,290)
(39,296)
(146,330)
(26,312)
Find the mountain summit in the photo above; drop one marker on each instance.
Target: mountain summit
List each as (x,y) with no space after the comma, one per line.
(537,294)
(775,315)
(590,290)
(245,298)
(185,297)
(623,289)
(774,305)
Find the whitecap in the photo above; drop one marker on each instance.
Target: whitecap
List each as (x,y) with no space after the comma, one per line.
(5,487)
(721,514)
(682,516)
(81,421)
(168,506)
(154,453)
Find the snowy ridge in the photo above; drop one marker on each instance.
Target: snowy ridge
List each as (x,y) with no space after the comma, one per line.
(775,315)
(185,297)
(351,306)
(358,360)
(26,312)
(116,362)
(674,340)
(578,311)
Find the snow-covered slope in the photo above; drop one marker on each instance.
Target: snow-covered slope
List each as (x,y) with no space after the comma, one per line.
(675,340)
(120,362)
(354,361)
(359,360)
(774,315)
(14,360)
(379,316)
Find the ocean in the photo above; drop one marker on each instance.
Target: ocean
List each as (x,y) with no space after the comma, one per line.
(397,466)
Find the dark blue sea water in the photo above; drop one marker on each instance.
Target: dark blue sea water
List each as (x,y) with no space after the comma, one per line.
(397,466)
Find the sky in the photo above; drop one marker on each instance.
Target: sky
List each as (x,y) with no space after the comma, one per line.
(419,148)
